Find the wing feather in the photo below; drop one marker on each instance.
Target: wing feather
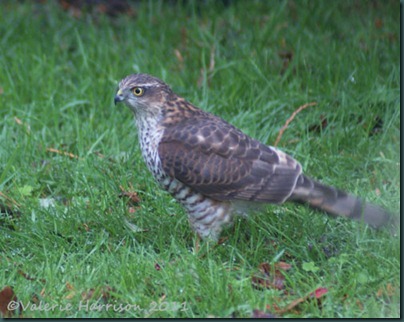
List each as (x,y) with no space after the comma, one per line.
(216,159)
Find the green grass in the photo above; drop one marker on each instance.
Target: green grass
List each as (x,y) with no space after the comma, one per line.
(58,76)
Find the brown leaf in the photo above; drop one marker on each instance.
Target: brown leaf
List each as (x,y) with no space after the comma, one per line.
(103,293)
(222,240)
(132,195)
(87,295)
(29,278)
(35,299)
(70,295)
(72,292)
(359,304)
(9,303)
(272,276)
(317,294)
(69,286)
(283,266)
(389,290)
(257,314)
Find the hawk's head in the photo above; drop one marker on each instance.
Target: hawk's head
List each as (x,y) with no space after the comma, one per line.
(142,93)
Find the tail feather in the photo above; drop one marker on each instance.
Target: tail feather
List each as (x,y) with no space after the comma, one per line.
(339,203)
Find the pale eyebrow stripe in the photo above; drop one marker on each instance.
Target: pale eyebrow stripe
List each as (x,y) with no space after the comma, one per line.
(139,85)
(149,85)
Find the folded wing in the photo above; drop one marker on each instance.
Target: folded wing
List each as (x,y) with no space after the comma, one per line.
(218,160)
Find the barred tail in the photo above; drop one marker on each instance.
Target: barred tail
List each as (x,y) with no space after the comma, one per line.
(337,202)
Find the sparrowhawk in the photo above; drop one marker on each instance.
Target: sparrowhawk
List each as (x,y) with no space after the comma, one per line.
(215,170)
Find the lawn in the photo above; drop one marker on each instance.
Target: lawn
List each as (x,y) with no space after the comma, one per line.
(86,232)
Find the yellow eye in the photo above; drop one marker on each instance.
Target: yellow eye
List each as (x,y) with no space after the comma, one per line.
(138,91)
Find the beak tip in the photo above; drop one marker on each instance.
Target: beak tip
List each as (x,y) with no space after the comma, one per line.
(117,99)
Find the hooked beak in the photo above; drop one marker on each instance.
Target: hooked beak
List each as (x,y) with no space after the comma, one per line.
(119,97)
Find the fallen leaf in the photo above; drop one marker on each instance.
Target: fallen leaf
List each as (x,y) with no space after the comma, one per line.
(103,293)
(389,290)
(132,195)
(29,278)
(70,295)
(87,295)
(283,266)
(35,299)
(9,303)
(318,293)
(69,286)
(272,276)
(222,240)
(258,314)
(359,304)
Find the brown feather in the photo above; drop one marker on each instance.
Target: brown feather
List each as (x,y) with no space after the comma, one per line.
(216,159)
